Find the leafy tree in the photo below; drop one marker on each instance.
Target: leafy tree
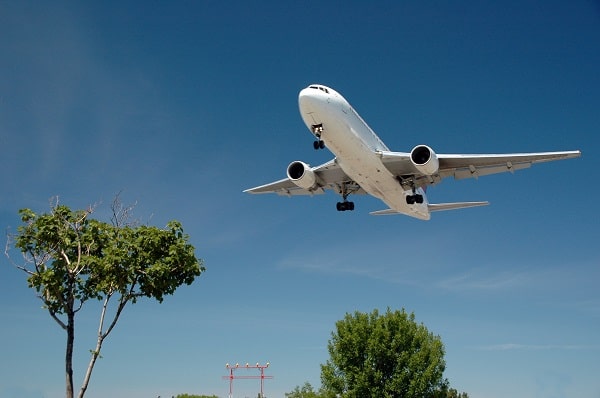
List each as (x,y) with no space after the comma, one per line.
(383,356)
(447,392)
(71,258)
(453,393)
(306,391)
(195,396)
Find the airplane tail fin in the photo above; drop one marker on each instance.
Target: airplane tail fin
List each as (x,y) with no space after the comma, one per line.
(454,206)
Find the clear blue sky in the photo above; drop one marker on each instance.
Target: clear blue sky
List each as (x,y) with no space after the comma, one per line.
(182,105)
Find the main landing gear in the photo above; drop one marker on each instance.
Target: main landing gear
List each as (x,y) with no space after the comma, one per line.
(317,130)
(345,205)
(412,199)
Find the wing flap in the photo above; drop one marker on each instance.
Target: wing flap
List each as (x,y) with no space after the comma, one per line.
(476,172)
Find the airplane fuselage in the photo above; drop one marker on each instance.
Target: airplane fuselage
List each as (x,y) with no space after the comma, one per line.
(357,148)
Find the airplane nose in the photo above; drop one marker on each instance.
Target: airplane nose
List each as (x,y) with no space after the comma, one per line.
(308,99)
(304,96)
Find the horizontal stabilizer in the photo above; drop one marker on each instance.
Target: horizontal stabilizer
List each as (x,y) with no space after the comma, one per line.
(386,212)
(433,207)
(454,206)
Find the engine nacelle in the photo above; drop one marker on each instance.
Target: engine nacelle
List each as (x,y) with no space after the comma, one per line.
(424,159)
(301,174)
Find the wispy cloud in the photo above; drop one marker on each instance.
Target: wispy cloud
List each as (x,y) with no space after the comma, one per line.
(381,261)
(537,347)
(485,279)
(506,276)
(357,259)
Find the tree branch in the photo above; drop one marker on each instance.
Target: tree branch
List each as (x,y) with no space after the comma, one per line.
(56,318)
(123,300)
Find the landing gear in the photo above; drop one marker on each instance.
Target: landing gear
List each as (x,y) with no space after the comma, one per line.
(317,130)
(343,206)
(412,199)
(345,191)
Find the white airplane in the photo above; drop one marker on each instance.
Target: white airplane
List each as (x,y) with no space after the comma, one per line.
(363,164)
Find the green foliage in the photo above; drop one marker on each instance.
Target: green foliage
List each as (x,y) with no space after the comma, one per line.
(383,356)
(306,391)
(76,258)
(195,396)
(446,392)
(71,258)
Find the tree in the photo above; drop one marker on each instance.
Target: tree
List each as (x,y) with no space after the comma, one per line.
(447,392)
(306,391)
(383,356)
(71,258)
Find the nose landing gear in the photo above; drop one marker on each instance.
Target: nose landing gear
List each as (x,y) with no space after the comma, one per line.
(317,130)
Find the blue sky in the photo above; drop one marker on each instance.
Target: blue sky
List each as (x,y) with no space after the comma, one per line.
(182,105)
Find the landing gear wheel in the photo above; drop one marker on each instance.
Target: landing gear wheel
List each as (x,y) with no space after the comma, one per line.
(412,199)
(344,206)
(345,189)
(317,130)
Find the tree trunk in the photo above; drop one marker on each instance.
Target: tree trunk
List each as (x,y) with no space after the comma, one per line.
(69,353)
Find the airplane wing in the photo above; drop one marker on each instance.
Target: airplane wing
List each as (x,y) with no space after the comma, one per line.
(329,176)
(466,166)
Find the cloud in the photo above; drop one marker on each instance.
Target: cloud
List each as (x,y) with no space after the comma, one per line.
(537,347)
(381,260)
(502,276)
(483,278)
(357,259)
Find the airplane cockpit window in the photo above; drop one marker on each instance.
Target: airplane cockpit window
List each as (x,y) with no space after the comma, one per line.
(320,88)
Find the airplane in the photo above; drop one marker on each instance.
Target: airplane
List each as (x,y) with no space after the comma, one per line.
(363,164)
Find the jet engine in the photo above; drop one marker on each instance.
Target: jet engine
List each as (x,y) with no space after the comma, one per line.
(302,175)
(424,159)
